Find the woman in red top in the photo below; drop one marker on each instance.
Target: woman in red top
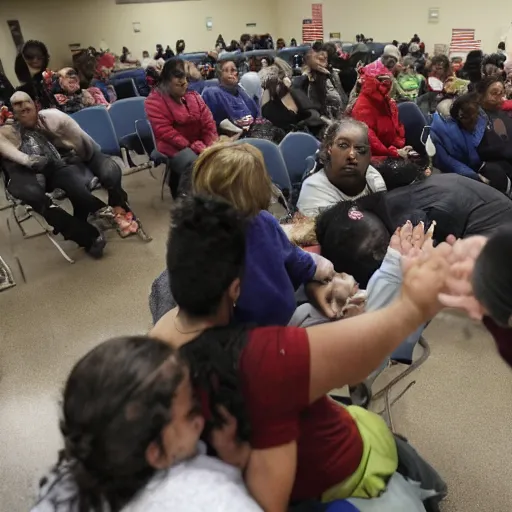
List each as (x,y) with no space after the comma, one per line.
(295,442)
(180,119)
(379,112)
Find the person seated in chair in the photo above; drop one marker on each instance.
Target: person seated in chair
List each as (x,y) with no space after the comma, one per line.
(286,107)
(346,173)
(379,112)
(232,108)
(29,66)
(69,97)
(322,85)
(34,167)
(409,83)
(496,144)
(181,121)
(457,139)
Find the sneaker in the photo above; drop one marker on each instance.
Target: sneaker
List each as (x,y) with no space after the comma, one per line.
(103,219)
(96,249)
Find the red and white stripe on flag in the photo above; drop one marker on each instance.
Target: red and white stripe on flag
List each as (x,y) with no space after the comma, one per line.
(463,40)
(313,29)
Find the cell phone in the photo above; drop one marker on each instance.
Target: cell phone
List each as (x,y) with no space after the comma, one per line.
(413,154)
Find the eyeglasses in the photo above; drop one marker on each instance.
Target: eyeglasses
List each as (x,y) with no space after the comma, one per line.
(230,70)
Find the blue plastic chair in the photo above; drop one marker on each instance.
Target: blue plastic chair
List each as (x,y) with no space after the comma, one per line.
(296,148)
(212,82)
(124,114)
(289,53)
(125,88)
(414,123)
(139,77)
(274,162)
(97,123)
(195,57)
(148,142)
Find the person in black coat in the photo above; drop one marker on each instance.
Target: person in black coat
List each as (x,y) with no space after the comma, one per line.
(459,206)
(29,67)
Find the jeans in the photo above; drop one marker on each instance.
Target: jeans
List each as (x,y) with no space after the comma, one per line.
(24,186)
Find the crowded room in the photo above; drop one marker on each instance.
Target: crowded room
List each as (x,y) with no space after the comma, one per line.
(306,209)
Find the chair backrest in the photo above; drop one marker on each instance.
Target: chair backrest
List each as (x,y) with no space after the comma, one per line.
(251,84)
(274,162)
(96,122)
(195,57)
(296,148)
(139,77)
(414,123)
(125,112)
(211,83)
(146,135)
(289,53)
(125,88)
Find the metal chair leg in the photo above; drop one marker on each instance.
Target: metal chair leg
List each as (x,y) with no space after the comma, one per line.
(28,215)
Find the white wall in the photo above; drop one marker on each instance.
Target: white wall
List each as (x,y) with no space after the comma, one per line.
(60,22)
(385,20)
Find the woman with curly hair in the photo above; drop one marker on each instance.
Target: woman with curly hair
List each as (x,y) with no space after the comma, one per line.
(346,173)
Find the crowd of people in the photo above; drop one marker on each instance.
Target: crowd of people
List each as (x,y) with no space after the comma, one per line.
(224,404)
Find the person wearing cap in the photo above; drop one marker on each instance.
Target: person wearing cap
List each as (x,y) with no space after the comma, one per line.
(386,63)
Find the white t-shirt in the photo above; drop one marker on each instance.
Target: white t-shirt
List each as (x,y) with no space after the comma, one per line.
(318,193)
(198,485)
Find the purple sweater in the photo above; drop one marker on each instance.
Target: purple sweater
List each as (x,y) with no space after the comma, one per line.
(274,269)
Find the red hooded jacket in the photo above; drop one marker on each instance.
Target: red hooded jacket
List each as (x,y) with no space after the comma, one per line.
(177,126)
(379,112)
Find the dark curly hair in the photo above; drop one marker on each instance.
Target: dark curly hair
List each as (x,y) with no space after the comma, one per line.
(486,82)
(117,400)
(205,253)
(333,130)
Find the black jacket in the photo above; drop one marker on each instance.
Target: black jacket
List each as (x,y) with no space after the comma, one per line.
(460,206)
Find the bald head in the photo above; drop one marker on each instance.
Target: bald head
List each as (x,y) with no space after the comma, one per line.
(24,109)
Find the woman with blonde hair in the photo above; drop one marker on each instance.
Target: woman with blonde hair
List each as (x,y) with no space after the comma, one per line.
(274,267)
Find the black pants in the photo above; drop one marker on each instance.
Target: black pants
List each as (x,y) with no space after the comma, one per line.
(23,185)
(109,174)
(499,174)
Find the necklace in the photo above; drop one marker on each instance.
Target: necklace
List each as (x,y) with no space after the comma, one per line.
(185,332)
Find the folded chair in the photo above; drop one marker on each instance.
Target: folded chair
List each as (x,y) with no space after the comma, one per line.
(148,142)
(124,114)
(22,213)
(414,123)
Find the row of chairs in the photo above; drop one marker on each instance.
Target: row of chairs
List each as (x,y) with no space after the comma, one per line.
(115,129)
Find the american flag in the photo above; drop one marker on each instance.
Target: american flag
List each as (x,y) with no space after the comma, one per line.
(463,40)
(313,29)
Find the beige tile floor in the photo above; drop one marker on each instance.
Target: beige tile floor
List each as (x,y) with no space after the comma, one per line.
(458,414)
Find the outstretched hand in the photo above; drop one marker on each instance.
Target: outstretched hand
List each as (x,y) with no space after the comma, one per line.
(459,288)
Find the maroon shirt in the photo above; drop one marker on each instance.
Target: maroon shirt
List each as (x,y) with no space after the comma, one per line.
(275,372)
(503,338)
